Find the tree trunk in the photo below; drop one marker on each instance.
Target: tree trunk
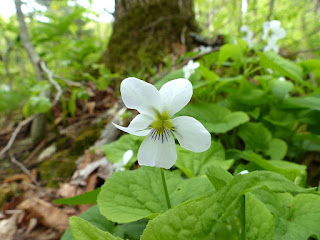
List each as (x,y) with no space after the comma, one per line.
(38,128)
(145,31)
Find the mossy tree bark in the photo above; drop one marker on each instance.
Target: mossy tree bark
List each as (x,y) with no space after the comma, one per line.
(145,31)
(38,128)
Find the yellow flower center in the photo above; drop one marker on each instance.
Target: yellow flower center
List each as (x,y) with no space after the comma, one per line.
(162,126)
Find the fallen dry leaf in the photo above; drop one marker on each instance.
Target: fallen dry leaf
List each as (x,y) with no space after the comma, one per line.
(18,177)
(46,213)
(8,227)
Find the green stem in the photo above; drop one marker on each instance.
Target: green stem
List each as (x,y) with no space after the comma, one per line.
(243,217)
(165,188)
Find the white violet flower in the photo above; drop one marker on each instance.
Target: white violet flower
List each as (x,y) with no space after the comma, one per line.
(189,69)
(205,49)
(249,35)
(277,32)
(156,121)
(119,166)
(4,88)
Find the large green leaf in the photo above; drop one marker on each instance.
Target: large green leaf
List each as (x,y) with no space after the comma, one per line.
(85,198)
(232,51)
(36,104)
(259,221)
(83,230)
(280,88)
(132,195)
(296,217)
(210,76)
(93,216)
(309,102)
(255,136)
(218,176)
(277,63)
(215,118)
(194,164)
(311,65)
(277,149)
(303,219)
(288,169)
(308,142)
(198,219)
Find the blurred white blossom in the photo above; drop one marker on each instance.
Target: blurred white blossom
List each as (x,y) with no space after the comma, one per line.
(119,166)
(248,35)
(281,79)
(272,31)
(205,49)
(189,69)
(4,88)
(269,70)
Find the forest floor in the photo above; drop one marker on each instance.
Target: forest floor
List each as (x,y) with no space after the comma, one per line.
(62,165)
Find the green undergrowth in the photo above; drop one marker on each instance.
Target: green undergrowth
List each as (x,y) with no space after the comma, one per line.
(262,111)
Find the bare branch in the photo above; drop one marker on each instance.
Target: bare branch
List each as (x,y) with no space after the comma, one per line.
(23,168)
(25,40)
(52,81)
(15,134)
(68,81)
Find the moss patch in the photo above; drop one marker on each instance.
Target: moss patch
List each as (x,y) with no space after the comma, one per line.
(61,165)
(58,168)
(7,192)
(86,139)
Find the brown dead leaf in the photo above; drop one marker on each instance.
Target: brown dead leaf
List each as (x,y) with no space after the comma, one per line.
(8,227)
(67,190)
(18,177)
(179,49)
(32,224)
(46,213)
(90,106)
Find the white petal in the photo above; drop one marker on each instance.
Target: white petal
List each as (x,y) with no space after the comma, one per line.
(158,152)
(140,95)
(175,95)
(127,156)
(191,134)
(243,172)
(138,126)
(196,65)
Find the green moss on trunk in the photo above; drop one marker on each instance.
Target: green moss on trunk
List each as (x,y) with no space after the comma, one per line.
(146,34)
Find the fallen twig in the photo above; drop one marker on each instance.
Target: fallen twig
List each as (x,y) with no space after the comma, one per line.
(15,133)
(23,168)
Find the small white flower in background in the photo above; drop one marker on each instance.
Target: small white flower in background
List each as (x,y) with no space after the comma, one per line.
(281,79)
(269,70)
(249,35)
(189,69)
(277,32)
(4,88)
(119,166)
(205,49)
(156,121)
(243,172)
(269,25)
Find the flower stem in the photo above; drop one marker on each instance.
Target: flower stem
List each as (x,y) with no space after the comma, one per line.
(165,188)
(243,217)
